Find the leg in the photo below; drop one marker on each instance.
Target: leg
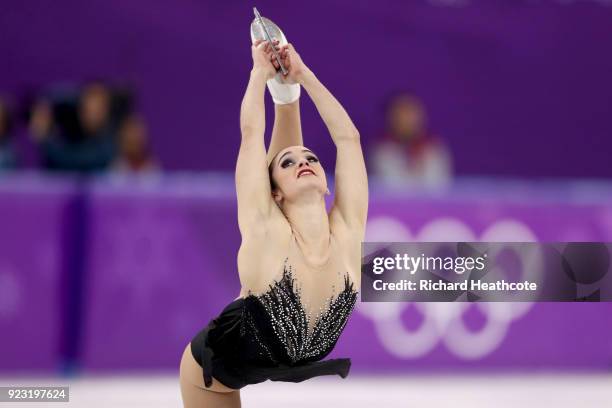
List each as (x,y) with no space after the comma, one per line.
(193,392)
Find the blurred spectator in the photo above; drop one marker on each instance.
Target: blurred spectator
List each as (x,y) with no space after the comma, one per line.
(407,153)
(41,123)
(8,159)
(134,152)
(84,143)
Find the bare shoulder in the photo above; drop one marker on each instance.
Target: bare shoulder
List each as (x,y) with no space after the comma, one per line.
(261,249)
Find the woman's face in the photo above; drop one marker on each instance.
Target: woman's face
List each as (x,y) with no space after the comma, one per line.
(406,117)
(94,107)
(296,170)
(133,138)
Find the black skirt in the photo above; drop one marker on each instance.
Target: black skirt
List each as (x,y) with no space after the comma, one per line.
(237,357)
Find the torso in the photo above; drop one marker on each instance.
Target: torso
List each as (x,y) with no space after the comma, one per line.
(262,262)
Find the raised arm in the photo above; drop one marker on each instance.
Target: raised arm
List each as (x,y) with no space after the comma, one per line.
(287,129)
(351,181)
(252,180)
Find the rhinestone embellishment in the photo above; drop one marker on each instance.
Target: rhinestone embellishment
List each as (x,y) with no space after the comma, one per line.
(291,323)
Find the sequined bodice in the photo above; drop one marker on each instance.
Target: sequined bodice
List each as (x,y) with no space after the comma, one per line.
(277,329)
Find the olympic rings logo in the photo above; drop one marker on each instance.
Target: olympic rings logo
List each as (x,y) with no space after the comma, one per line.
(443,322)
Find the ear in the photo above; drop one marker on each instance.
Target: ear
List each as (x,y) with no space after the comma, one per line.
(277,196)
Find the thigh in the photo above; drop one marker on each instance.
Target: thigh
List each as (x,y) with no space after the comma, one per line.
(195,394)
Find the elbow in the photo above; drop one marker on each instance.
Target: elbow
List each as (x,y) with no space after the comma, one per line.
(350,135)
(246,130)
(246,125)
(251,125)
(249,131)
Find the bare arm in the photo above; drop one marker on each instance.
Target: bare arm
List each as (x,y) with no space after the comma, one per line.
(351,196)
(287,130)
(338,122)
(252,180)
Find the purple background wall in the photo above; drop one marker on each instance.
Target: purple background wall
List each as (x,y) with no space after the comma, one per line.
(35,229)
(517,87)
(158,261)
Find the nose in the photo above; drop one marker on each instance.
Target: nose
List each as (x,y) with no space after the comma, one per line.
(303,162)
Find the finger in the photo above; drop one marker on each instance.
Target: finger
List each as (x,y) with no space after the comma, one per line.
(287,65)
(268,48)
(259,44)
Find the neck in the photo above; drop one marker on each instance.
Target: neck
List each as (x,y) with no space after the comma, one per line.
(310,225)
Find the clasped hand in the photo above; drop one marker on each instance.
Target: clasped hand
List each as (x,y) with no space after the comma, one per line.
(264,60)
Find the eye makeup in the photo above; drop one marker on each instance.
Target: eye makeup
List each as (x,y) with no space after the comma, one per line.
(284,163)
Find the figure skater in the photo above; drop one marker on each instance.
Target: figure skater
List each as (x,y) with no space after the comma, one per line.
(298,264)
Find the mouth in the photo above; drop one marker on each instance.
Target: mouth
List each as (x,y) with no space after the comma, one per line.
(305,172)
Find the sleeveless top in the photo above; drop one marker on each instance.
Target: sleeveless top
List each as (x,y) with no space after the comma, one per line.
(270,336)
